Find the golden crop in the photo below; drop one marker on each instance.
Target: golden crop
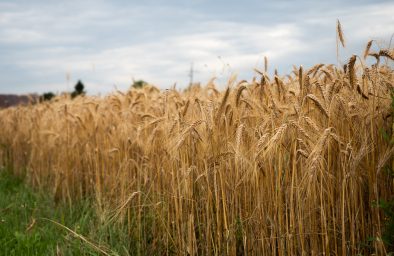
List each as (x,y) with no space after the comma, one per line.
(274,166)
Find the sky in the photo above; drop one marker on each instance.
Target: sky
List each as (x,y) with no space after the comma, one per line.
(50,45)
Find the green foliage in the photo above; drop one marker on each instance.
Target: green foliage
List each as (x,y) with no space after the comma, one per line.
(239,237)
(392,100)
(139,84)
(387,206)
(388,232)
(47,96)
(26,230)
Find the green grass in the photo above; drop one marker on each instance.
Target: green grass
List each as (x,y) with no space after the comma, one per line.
(26,229)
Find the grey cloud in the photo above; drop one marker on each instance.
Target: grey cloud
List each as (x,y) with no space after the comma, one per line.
(106,43)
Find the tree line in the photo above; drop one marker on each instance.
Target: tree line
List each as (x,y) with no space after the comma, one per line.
(79,90)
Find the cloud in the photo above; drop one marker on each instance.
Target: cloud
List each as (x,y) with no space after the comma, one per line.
(168,60)
(359,21)
(106,43)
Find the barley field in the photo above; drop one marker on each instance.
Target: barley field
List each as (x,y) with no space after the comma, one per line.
(278,165)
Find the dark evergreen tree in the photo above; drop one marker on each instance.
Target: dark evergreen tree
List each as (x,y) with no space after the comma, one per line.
(78,89)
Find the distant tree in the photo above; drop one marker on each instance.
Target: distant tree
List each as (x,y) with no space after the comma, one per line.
(78,89)
(139,84)
(47,96)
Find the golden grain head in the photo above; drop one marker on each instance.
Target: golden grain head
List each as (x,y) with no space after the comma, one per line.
(340,33)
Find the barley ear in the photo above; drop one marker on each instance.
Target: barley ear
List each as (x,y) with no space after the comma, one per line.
(319,104)
(340,34)
(239,93)
(367,48)
(265,64)
(300,75)
(386,53)
(222,104)
(352,75)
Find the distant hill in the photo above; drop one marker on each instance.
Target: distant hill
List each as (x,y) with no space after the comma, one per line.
(9,100)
